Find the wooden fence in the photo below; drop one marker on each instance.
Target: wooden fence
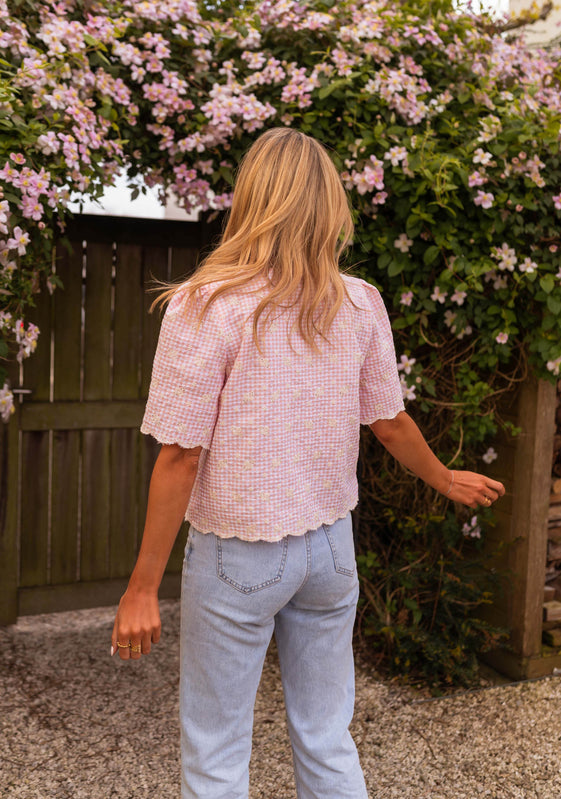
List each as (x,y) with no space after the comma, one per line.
(74,486)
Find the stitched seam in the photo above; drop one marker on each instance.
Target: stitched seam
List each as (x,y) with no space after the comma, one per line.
(339,569)
(308,562)
(250,589)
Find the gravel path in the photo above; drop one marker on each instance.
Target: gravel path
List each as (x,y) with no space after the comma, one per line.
(75,724)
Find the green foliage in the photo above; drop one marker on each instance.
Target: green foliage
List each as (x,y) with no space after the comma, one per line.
(423,590)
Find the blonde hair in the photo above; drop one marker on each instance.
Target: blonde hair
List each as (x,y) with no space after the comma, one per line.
(289,213)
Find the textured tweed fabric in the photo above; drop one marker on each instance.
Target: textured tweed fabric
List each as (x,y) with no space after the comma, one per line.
(279,427)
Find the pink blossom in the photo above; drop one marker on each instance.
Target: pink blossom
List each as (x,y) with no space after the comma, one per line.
(482,157)
(501,338)
(406,364)
(395,155)
(438,295)
(472,529)
(403,243)
(557,201)
(406,298)
(19,241)
(489,456)
(528,266)
(458,297)
(408,392)
(477,179)
(7,407)
(484,199)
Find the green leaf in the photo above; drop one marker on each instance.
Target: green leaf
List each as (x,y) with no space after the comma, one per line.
(384,260)
(431,254)
(325,91)
(395,268)
(554,304)
(93,42)
(547,283)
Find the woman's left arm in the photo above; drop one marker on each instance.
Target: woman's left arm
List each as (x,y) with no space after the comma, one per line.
(403,439)
(138,616)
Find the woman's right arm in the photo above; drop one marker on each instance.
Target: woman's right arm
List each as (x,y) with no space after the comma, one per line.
(403,439)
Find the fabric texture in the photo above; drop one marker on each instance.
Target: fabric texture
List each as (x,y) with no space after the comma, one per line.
(234,595)
(280,428)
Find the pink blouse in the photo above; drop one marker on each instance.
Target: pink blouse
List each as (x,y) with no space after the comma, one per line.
(279,431)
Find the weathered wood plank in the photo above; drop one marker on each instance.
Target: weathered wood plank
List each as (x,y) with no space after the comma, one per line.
(96,503)
(176,558)
(67,323)
(64,507)
(127,323)
(37,368)
(140,231)
(9,519)
(124,508)
(34,542)
(183,262)
(522,526)
(75,596)
(82,415)
(97,341)
(155,266)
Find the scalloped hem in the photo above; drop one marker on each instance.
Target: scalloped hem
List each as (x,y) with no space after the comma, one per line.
(185,444)
(298,532)
(389,415)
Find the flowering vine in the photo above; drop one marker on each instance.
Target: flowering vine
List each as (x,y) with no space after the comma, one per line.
(447,136)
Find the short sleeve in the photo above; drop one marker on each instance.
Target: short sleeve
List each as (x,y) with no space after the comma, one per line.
(187,376)
(381,396)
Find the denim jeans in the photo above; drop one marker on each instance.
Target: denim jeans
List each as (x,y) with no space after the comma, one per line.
(235,594)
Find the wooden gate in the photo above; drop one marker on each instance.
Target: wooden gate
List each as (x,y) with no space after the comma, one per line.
(76,468)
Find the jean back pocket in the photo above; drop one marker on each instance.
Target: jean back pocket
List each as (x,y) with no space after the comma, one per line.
(250,566)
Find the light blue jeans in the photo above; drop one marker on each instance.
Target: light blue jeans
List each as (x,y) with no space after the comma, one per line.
(235,594)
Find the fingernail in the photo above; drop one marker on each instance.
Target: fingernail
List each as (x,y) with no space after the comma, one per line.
(112,650)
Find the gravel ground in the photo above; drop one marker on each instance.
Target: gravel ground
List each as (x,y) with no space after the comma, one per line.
(76,724)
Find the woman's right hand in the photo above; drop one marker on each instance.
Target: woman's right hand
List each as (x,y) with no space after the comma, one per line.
(473,489)
(137,624)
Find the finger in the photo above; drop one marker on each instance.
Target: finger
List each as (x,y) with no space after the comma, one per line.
(495,485)
(156,632)
(136,648)
(146,643)
(114,639)
(123,647)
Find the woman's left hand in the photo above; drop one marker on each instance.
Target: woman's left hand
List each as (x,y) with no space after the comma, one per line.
(473,489)
(137,624)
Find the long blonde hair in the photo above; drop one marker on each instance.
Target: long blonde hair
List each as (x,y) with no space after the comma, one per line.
(289,213)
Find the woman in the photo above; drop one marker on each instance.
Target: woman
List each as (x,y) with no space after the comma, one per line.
(268,362)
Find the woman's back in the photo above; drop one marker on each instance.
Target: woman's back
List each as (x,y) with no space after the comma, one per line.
(279,424)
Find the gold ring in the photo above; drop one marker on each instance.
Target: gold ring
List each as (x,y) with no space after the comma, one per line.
(123,646)
(487,501)
(137,648)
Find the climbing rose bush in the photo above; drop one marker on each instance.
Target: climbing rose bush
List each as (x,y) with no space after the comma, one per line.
(446,134)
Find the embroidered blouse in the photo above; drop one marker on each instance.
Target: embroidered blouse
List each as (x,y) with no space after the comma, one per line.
(279,430)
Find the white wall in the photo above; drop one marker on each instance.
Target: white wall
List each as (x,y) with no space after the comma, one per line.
(116,201)
(539,32)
